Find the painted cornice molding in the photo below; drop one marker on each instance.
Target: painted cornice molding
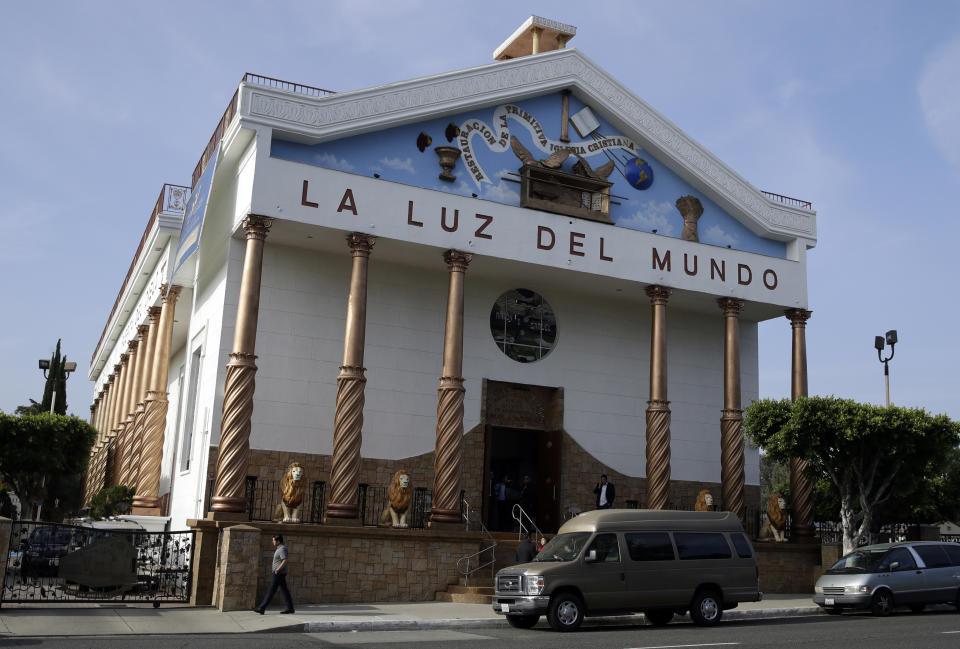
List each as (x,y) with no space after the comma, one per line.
(361,111)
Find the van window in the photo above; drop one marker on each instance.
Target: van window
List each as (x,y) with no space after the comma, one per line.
(701,545)
(933,555)
(742,545)
(901,555)
(953,551)
(563,547)
(649,546)
(606,547)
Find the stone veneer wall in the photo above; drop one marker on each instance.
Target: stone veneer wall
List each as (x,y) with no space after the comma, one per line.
(235,584)
(348,564)
(788,567)
(332,564)
(581,472)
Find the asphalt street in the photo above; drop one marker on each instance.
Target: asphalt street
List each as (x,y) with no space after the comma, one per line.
(932,630)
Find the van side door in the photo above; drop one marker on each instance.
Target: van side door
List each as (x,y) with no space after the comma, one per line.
(704,558)
(602,581)
(899,570)
(650,565)
(939,573)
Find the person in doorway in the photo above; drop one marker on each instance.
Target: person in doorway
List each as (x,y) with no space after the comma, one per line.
(279,579)
(527,549)
(541,543)
(503,493)
(605,492)
(528,497)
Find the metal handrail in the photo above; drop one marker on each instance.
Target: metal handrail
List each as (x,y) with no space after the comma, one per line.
(463,563)
(518,515)
(788,200)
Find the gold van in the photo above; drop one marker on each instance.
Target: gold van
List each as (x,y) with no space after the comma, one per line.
(658,562)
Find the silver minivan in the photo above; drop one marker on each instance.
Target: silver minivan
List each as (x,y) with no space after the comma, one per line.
(881,577)
(658,562)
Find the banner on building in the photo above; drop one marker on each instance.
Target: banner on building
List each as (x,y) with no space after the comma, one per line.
(195,211)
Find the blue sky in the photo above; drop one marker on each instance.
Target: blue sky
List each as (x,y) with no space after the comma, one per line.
(854,106)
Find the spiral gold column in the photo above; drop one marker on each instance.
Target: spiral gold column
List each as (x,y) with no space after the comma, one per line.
(140,417)
(234,452)
(731,420)
(147,499)
(348,421)
(134,425)
(449,447)
(801,487)
(658,408)
(114,385)
(125,438)
(116,433)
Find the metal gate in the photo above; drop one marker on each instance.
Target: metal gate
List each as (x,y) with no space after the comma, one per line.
(49,562)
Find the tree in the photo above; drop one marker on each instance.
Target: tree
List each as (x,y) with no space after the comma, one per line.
(55,389)
(867,452)
(40,452)
(111,501)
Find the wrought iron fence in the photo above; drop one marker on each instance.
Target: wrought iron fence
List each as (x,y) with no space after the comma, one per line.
(264,498)
(51,562)
(374,499)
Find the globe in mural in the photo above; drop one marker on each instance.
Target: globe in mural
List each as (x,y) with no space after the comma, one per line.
(638,173)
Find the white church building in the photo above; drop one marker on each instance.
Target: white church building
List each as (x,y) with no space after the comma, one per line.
(515,269)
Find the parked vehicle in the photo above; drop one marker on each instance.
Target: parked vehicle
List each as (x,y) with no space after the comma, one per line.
(48,543)
(881,577)
(658,562)
(43,550)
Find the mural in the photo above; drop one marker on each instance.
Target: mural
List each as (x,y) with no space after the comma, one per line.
(526,154)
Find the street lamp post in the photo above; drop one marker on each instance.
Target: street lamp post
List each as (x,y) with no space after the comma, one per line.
(891,340)
(67,369)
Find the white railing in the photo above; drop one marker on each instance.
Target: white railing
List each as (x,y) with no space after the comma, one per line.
(525,523)
(471,563)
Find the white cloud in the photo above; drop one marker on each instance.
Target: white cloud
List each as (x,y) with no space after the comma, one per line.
(332,161)
(718,236)
(939,91)
(503,191)
(405,164)
(653,216)
(789,90)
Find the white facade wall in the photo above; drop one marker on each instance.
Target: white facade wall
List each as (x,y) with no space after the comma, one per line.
(206,326)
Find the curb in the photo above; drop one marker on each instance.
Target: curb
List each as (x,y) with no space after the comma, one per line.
(490,622)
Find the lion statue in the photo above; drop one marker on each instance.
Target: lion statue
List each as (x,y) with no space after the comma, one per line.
(704,501)
(776,520)
(292,487)
(395,515)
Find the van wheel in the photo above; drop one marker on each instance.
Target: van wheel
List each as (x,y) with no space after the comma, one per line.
(565,612)
(658,618)
(882,603)
(523,621)
(706,608)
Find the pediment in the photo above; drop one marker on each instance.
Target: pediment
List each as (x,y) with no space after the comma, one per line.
(400,126)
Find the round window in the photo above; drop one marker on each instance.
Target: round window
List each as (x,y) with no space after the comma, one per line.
(523,325)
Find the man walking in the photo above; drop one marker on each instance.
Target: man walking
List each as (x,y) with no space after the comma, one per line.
(279,579)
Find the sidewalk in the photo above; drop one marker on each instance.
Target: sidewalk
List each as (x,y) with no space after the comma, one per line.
(143,619)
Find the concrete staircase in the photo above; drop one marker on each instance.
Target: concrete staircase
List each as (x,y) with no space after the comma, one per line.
(480,590)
